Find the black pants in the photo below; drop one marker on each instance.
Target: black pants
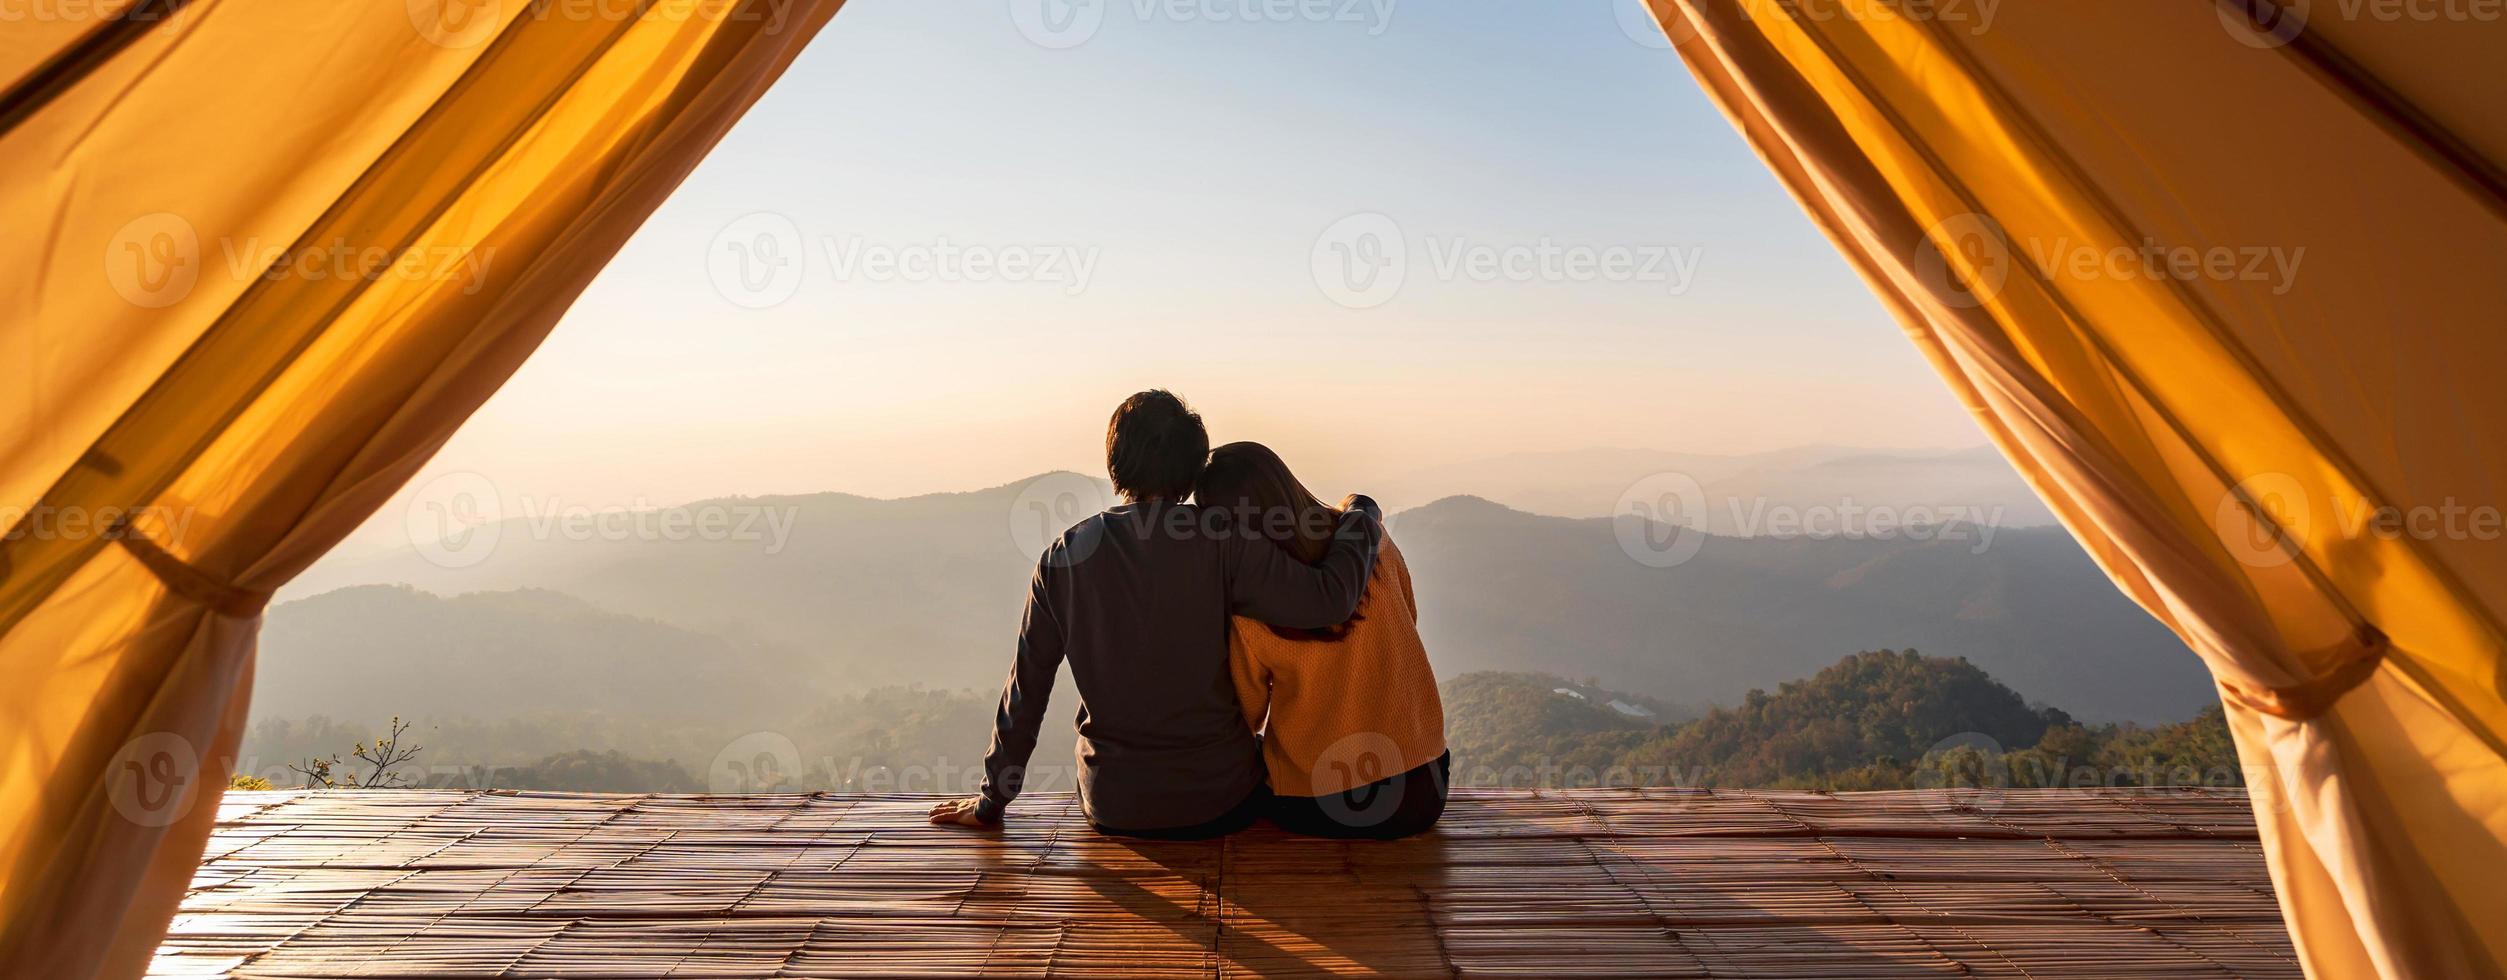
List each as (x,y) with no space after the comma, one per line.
(1240,817)
(1389,808)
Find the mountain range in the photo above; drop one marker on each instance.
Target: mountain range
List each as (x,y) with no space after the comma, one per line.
(1739,490)
(857,593)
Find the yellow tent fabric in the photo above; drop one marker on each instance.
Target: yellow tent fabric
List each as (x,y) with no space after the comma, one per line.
(265,258)
(2293,464)
(275,252)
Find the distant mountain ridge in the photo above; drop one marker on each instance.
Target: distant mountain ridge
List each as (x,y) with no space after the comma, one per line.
(1504,590)
(1593,483)
(926,590)
(374,651)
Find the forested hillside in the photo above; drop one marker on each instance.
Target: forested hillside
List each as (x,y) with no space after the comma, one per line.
(1875,720)
(1872,721)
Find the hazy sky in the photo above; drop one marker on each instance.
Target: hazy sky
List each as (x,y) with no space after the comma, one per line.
(1585,255)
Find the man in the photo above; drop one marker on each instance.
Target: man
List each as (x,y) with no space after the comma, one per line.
(1138,599)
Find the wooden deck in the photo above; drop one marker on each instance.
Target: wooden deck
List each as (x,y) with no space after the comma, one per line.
(1600,883)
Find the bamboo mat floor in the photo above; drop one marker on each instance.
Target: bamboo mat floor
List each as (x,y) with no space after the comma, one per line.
(1592,883)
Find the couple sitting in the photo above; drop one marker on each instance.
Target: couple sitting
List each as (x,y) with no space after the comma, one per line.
(1252,630)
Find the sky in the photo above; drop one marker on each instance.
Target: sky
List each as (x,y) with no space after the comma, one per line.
(1379,235)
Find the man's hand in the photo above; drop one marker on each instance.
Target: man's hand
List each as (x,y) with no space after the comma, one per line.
(967,812)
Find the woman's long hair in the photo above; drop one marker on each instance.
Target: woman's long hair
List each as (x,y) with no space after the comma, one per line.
(1252,484)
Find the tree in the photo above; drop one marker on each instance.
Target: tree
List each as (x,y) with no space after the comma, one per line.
(380,759)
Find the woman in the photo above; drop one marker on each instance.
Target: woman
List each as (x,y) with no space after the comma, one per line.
(1351,727)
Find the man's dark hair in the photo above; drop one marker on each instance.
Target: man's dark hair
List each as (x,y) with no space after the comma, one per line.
(1155,447)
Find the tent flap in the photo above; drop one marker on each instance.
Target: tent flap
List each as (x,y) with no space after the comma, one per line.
(2224,310)
(260,303)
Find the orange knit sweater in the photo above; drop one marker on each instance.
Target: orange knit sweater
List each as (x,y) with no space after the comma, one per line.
(1340,713)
